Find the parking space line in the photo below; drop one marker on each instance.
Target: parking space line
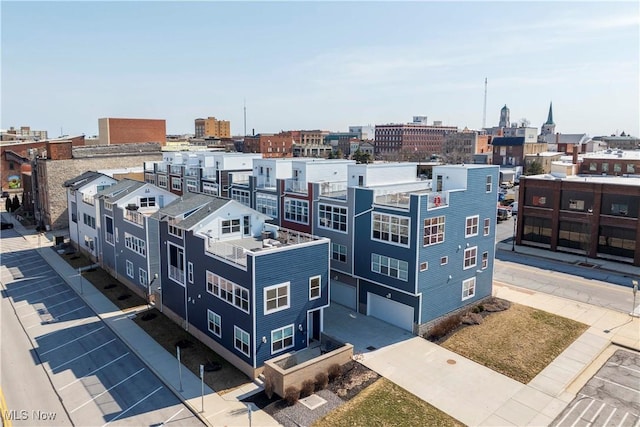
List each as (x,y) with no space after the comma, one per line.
(172,417)
(579,418)
(617,384)
(45,298)
(617,365)
(49,307)
(58,317)
(74,340)
(626,414)
(19,284)
(575,405)
(131,407)
(606,423)
(77,322)
(34,292)
(82,355)
(94,371)
(597,413)
(107,390)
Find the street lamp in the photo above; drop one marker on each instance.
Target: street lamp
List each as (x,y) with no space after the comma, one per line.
(513,240)
(635,291)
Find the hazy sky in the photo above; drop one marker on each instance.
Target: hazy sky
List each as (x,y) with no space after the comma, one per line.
(320,65)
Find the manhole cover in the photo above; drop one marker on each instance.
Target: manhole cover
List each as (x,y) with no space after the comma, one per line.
(451,362)
(312,402)
(371,348)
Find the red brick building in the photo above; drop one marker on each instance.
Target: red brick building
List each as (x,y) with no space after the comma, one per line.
(270,145)
(130,131)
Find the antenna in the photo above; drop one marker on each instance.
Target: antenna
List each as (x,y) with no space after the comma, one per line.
(484,111)
(245,116)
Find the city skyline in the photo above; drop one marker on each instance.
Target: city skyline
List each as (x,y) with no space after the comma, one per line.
(316,65)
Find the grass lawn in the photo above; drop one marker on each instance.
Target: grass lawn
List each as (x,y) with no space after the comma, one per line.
(518,342)
(163,330)
(386,404)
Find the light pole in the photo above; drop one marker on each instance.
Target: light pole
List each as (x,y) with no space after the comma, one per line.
(635,291)
(513,240)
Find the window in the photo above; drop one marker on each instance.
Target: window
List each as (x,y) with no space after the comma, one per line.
(230,226)
(468,288)
(282,339)
(241,341)
(173,229)
(433,231)
(89,220)
(605,167)
(108,229)
(487,227)
(332,217)
(190,272)
(296,210)
(276,298)
(470,256)
(108,206)
(444,260)
(241,196)
(576,205)
(267,204)
(129,269)
(228,291)
(390,228)
(485,260)
(593,166)
(192,186)
(339,252)
(147,202)
(631,168)
(617,167)
(162,181)
(424,266)
(136,245)
(176,184)
(390,267)
(176,263)
(149,178)
(314,287)
(209,188)
(488,184)
(472,226)
(214,323)
(143,276)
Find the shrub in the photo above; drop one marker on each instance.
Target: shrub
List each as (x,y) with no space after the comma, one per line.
(322,380)
(268,387)
(444,327)
(291,395)
(308,387)
(335,371)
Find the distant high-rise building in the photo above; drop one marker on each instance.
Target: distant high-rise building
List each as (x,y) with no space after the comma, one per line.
(549,128)
(504,117)
(212,128)
(416,138)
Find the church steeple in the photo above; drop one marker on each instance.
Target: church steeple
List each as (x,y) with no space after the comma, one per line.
(549,128)
(550,116)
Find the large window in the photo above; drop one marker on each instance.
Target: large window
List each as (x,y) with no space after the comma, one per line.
(162,181)
(433,231)
(537,230)
(136,245)
(241,196)
(142,274)
(471,228)
(147,202)
(470,257)
(617,241)
(488,184)
(314,287)
(130,269)
(390,228)
(228,291)
(230,226)
(267,204)
(241,341)
(332,217)
(192,186)
(108,229)
(282,339)
(176,184)
(276,298)
(210,188)
(176,263)
(89,220)
(468,288)
(339,252)
(390,267)
(296,210)
(214,323)
(487,227)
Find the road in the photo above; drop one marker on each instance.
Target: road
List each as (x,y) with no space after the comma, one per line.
(65,363)
(606,289)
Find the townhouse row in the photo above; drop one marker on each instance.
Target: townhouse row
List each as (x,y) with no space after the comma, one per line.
(250,275)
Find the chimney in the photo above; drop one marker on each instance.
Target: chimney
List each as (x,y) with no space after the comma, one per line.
(575,155)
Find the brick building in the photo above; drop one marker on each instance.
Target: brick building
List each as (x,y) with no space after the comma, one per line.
(114,131)
(212,128)
(270,145)
(411,138)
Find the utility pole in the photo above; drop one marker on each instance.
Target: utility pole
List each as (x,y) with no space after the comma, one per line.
(245,116)
(484,111)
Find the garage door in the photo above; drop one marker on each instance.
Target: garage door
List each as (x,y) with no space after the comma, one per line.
(343,294)
(393,312)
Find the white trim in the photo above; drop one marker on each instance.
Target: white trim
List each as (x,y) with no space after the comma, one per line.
(209,312)
(190,272)
(466,226)
(319,287)
(389,240)
(286,285)
(464,258)
(235,337)
(464,283)
(129,269)
(293,338)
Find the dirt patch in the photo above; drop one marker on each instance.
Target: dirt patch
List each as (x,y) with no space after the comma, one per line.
(355,378)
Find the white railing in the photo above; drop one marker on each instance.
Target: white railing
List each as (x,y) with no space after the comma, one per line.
(398,200)
(209,173)
(295,186)
(176,274)
(266,183)
(134,216)
(235,254)
(335,190)
(240,177)
(88,199)
(108,237)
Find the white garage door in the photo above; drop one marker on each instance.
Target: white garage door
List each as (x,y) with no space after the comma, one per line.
(343,294)
(390,311)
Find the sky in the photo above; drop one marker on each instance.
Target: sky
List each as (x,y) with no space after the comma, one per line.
(320,65)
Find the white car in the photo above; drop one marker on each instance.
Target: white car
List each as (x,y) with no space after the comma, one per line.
(514,208)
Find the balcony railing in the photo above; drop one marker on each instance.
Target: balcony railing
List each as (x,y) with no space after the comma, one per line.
(209,173)
(335,190)
(176,274)
(109,237)
(266,183)
(295,186)
(88,199)
(398,200)
(134,216)
(240,177)
(233,253)
(191,171)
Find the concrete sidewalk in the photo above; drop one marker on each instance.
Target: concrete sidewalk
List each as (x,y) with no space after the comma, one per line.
(219,410)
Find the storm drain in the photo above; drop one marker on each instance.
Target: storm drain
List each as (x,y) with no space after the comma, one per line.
(371,348)
(313,402)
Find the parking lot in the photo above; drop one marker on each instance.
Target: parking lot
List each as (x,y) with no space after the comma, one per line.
(97,377)
(610,398)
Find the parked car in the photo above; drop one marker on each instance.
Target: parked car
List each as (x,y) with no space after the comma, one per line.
(514,208)
(5,225)
(5,194)
(503,214)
